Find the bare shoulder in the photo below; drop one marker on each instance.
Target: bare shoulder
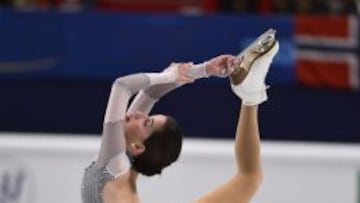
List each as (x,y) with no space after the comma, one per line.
(119,189)
(239,189)
(124,177)
(119,181)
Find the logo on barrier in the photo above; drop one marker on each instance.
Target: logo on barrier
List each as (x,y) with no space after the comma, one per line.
(16,182)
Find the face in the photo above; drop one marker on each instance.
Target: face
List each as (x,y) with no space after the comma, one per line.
(139,127)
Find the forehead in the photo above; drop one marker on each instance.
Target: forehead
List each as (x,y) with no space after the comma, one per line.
(159,117)
(159,120)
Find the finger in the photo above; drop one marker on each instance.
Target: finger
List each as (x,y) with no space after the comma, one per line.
(230,69)
(240,59)
(237,62)
(230,62)
(187,79)
(183,72)
(232,65)
(184,68)
(189,66)
(225,72)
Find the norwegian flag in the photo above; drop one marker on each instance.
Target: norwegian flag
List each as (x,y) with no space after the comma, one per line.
(327,51)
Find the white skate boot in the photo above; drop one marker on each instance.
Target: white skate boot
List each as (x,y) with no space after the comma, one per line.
(248,79)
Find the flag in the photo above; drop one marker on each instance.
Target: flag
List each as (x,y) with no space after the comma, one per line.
(327,51)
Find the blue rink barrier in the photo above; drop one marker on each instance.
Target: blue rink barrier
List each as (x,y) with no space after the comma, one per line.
(56,71)
(100,45)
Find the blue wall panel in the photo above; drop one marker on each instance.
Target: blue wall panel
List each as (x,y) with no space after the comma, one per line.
(96,45)
(56,71)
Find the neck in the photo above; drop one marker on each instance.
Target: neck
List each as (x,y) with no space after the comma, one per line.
(133,177)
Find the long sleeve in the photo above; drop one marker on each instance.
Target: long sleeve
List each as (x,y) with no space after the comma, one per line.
(122,90)
(113,144)
(113,139)
(146,99)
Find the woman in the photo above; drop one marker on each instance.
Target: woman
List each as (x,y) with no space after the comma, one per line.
(133,142)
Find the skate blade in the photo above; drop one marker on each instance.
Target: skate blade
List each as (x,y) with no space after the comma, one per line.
(262,45)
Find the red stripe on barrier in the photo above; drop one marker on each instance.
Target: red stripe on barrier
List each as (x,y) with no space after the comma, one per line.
(323,73)
(323,26)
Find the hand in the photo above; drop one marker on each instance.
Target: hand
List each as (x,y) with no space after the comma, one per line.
(181,70)
(221,66)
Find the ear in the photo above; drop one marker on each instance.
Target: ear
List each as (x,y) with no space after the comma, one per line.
(137,148)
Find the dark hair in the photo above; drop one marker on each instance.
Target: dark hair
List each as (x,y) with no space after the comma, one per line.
(163,147)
